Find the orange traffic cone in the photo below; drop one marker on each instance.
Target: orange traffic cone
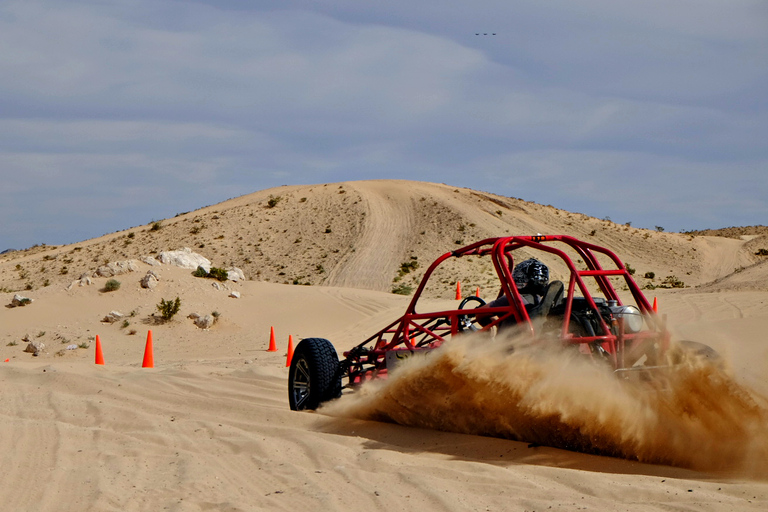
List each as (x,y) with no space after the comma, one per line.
(458,290)
(149,359)
(477,292)
(289,357)
(655,306)
(99,355)
(272,344)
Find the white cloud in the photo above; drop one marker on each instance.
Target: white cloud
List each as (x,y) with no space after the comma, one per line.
(215,98)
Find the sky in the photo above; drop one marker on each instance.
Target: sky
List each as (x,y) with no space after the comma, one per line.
(114,114)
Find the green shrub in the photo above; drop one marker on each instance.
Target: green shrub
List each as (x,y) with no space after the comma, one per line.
(649,275)
(112,285)
(168,308)
(672,282)
(402,289)
(408,266)
(218,273)
(273,200)
(630,270)
(762,252)
(215,273)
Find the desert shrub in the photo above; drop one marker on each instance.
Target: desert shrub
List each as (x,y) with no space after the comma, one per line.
(402,289)
(112,285)
(762,252)
(156,226)
(218,273)
(168,308)
(630,270)
(672,282)
(407,267)
(273,200)
(649,275)
(659,229)
(215,273)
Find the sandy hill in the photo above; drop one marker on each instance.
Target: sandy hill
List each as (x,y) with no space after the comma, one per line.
(209,427)
(358,235)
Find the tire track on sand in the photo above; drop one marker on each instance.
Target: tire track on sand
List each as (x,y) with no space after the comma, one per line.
(383,241)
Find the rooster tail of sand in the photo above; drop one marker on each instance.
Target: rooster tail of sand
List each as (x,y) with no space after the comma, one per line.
(696,416)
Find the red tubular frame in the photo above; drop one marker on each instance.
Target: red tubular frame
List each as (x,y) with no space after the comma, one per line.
(368,359)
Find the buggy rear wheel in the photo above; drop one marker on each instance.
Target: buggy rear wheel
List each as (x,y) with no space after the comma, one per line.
(314,375)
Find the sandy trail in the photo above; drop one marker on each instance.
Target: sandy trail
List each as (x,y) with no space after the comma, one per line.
(384,240)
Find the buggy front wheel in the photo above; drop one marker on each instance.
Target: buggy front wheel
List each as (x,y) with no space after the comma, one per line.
(314,375)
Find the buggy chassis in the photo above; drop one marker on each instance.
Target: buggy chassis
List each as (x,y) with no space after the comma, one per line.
(628,337)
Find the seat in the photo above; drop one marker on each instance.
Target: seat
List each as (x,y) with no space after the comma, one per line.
(553,294)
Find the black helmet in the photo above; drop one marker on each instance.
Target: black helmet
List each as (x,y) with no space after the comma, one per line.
(531,276)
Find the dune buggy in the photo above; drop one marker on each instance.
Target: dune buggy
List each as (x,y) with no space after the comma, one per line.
(620,329)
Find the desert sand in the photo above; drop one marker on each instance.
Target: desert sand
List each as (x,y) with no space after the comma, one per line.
(209,427)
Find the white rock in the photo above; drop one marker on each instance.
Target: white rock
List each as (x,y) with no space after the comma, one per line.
(185,258)
(20,300)
(234,295)
(113,317)
(150,260)
(235,274)
(150,280)
(204,322)
(35,347)
(117,268)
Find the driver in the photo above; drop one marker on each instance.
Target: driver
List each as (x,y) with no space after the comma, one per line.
(531,278)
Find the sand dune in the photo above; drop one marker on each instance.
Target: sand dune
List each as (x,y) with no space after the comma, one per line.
(209,427)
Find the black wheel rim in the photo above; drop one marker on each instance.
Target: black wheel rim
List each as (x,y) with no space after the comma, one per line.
(301,383)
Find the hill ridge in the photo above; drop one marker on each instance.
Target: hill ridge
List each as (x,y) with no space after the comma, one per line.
(358,234)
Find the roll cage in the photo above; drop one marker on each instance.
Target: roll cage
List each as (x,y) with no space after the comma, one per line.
(421,331)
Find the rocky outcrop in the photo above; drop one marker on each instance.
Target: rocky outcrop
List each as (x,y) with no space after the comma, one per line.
(150,280)
(117,268)
(203,321)
(19,300)
(113,317)
(235,274)
(185,258)
(33,347)
(151,261)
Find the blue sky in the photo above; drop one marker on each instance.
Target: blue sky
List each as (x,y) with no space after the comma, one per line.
(114,114)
